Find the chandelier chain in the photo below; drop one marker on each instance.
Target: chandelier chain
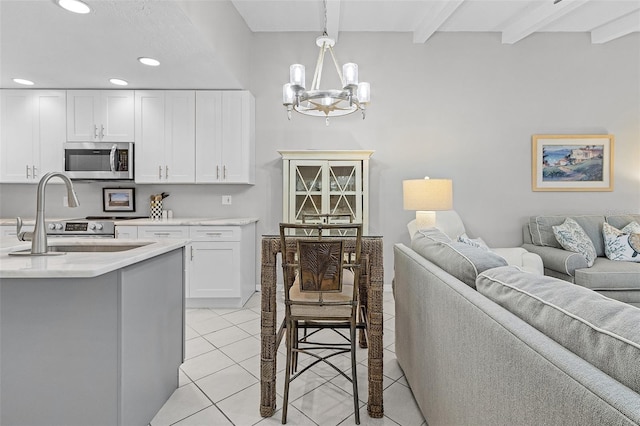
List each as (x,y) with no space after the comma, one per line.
(324,3)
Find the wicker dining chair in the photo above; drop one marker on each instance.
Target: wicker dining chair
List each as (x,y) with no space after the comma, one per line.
(317,294)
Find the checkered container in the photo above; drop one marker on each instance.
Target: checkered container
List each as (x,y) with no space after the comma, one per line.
(155,210)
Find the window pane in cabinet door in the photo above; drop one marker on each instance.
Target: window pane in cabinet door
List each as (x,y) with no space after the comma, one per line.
(309,178)
(344,204)
(342,178)
(307,204)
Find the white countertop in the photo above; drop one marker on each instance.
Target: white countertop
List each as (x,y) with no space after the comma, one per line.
(185,221)
(189,221)
(78,264)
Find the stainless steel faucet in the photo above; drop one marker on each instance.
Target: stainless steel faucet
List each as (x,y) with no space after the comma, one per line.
(39,235)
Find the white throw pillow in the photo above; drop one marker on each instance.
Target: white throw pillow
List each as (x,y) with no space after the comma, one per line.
(572,237)
(622,244)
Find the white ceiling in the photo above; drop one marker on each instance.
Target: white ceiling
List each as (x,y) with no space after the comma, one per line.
(57,49)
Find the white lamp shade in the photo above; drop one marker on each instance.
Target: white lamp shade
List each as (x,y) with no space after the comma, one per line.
(350,73)
(296,75)
(427,194)
(364,93)
(287,94)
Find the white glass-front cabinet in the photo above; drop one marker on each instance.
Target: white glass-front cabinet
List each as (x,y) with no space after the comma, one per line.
(165,136)
(225,137)
(100,116)
(326,182)
(32,134)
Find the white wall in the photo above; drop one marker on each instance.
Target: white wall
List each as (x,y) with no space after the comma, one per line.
(461,106)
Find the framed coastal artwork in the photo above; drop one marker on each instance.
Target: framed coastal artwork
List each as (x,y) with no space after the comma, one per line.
(572,162)
(118,199)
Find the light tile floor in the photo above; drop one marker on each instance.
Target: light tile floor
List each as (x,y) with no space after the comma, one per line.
(220,379)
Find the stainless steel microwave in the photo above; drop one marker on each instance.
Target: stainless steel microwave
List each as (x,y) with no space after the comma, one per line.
(99,160)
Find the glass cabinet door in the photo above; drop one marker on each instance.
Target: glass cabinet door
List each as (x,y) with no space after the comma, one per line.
(325,187)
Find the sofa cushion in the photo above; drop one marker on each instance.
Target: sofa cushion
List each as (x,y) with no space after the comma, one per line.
(541,231)
(622,244)
(458,259)
(600,330)
(621,220)
(606,274)
(572,237)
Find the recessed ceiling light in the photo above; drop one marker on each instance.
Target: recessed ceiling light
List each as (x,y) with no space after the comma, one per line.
(149,61)
(75,6)
(118,82)
(23,81)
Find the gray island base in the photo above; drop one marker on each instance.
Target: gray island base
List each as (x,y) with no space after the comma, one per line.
(101,350)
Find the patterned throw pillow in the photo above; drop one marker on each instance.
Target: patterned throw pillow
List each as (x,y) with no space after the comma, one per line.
(473,242)
(572,237)
(622,244)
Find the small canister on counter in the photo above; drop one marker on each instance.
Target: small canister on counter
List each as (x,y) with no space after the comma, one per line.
(155,207)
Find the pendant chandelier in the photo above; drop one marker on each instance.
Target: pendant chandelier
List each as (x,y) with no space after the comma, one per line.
(326,103)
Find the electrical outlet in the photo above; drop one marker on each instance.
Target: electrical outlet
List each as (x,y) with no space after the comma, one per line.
(65,201)
(226,200)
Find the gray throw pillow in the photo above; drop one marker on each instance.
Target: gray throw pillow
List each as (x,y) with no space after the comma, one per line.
(461,260)
(600,330)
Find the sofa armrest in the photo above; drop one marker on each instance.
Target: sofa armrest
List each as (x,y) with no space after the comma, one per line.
(518,256)
(559,260)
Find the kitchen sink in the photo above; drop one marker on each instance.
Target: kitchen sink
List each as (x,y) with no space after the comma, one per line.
(83,248)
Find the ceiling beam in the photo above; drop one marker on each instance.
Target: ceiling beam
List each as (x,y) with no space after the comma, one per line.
(437,14)
(333,18)
(615,29)
(538,18)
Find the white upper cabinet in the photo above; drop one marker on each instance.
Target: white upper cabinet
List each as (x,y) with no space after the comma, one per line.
(165,136)
(100,115)
(32,134)
(225,137)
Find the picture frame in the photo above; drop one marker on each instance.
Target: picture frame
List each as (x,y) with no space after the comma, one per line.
(118,199)
(572,162)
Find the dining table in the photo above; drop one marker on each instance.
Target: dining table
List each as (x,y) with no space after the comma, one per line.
(370,293)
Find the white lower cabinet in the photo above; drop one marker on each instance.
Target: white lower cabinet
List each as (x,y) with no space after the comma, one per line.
(220,261)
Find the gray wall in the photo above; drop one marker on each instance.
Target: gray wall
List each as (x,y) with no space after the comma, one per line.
(461,106)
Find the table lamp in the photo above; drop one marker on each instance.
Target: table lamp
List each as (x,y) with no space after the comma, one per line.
(426,196)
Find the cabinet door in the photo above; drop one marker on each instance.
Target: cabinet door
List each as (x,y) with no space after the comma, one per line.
(345,188)
(83,115)
(17,136)
(116,123)
(50,131)
(150,136)
(236,145)
(130,232)
(208,136)
(213,269)
(32,134)
(307,193)
(180,138)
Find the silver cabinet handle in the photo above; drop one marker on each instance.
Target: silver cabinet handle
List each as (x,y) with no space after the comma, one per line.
(191,252)
(214,234)
(159,172)
(33,169)
(218,172)
(166,172)
(95,131)
(28,171)
(161,234)
(224,172)
(101,131)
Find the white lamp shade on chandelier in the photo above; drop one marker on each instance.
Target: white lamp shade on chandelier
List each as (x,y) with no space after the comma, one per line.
(426,196)
(353,95)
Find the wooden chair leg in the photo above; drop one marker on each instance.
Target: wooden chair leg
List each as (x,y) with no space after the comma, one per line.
(354,376)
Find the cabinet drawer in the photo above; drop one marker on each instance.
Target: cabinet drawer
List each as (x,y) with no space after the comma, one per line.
(215,233)
(163,232)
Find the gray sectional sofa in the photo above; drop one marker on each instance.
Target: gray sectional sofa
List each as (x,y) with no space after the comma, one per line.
(485,344)
(616,279)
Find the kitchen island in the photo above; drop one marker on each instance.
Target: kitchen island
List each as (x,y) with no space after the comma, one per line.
(90,338)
